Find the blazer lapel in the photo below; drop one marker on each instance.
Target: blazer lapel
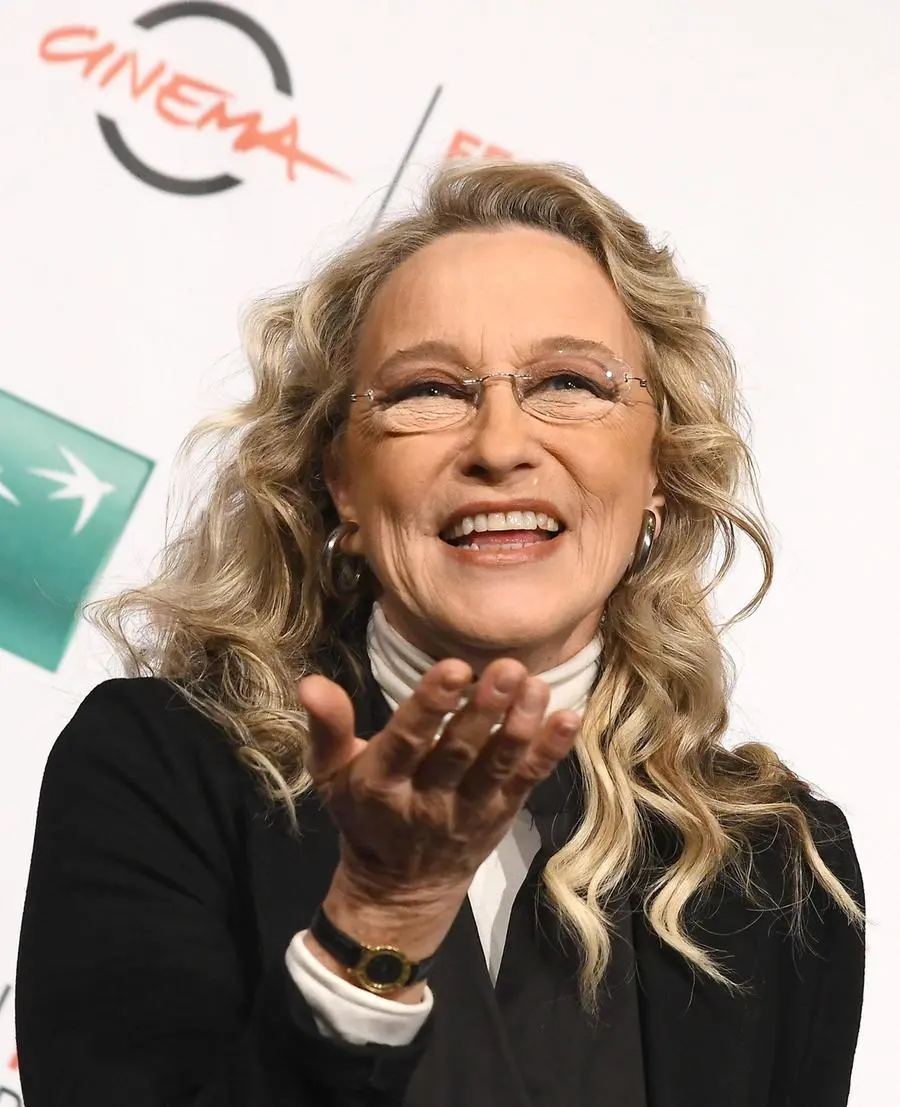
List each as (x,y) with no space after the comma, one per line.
(698,1034)
(470,1058)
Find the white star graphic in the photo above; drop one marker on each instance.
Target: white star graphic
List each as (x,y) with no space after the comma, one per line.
(80,484)
(6,494)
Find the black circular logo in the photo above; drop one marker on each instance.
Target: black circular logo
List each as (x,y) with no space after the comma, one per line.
(281,79)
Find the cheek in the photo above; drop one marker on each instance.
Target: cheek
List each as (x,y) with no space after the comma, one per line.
(393,492)
(612,480)
(615,489)
(613,519)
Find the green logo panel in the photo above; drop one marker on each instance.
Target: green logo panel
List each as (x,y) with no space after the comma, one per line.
(65,498)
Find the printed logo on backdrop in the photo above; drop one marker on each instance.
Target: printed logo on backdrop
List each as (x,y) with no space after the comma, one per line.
(65,497)
(181,99)
(185,101)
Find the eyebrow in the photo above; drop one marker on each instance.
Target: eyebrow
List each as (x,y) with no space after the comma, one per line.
(447,351)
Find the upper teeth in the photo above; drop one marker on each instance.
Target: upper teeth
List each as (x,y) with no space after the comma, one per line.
(504,520)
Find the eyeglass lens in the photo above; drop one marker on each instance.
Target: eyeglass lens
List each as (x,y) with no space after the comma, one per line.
(557,394)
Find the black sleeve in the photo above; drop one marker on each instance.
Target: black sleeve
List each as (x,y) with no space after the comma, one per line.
(132,989)
(838,956)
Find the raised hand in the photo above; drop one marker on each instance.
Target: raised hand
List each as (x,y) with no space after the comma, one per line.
(418,816)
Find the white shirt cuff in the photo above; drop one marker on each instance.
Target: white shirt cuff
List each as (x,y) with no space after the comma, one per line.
(342,1010)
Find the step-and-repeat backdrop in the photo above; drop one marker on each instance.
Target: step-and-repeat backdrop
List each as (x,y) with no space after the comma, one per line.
(162,165)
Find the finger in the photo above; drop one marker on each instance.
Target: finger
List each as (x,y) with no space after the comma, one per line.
(555,743)
(332,730)
(469,731)
(409,736)
(524,725)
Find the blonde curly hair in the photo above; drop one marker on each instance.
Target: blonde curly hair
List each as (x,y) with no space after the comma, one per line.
(237,611)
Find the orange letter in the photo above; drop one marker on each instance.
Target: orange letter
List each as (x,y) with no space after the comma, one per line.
(219,116)
(282,142)
(497,152)
(462,145)
(173,90)
(138,87)
(91,58)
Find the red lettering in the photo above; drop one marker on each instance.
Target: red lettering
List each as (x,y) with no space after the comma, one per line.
(14,1062)
(138,86)
(283,142)
(466,145)
(462,145)
(222,120)
(61,33)
(90,57)
(180,93)
(174,90)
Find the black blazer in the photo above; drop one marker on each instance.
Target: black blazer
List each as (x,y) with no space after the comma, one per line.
(163,894)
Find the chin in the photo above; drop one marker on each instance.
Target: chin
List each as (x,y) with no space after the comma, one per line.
(504,627)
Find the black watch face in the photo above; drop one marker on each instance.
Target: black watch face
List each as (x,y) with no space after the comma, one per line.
(384,968)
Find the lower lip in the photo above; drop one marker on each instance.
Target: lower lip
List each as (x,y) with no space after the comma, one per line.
(495,556)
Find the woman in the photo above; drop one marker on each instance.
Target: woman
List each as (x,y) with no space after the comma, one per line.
(431,678)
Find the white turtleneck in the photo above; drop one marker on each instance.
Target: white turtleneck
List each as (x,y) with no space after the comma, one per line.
(343,1010)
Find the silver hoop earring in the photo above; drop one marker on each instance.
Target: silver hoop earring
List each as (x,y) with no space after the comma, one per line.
(643,547)
(339,580)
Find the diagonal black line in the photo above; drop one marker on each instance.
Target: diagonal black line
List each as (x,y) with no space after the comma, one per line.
(392,187)
(3,995)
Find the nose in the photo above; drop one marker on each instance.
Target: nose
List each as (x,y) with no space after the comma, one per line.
(501,437)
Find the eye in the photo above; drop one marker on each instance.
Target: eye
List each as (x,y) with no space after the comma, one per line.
(429,389)
(568,380)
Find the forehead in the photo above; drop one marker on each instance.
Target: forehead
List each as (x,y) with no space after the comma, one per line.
(494,294)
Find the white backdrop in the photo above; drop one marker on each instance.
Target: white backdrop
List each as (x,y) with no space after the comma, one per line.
(759,138)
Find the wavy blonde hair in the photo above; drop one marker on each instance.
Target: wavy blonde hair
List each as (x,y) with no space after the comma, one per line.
(238,611)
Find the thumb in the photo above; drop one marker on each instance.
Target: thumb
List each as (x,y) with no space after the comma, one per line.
(332,730)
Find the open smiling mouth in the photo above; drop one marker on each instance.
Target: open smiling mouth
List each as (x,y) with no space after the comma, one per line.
(512,530)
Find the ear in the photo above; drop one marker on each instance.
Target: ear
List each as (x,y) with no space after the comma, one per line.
(342,493)
(657,503)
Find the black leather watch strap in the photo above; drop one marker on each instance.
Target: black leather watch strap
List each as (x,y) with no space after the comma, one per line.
(376,968)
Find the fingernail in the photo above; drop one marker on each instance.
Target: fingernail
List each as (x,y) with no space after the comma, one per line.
(455,683)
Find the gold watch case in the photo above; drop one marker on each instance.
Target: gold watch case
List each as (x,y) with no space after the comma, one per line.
(362,970)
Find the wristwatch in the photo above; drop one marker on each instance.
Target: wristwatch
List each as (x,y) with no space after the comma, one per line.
(375,968)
